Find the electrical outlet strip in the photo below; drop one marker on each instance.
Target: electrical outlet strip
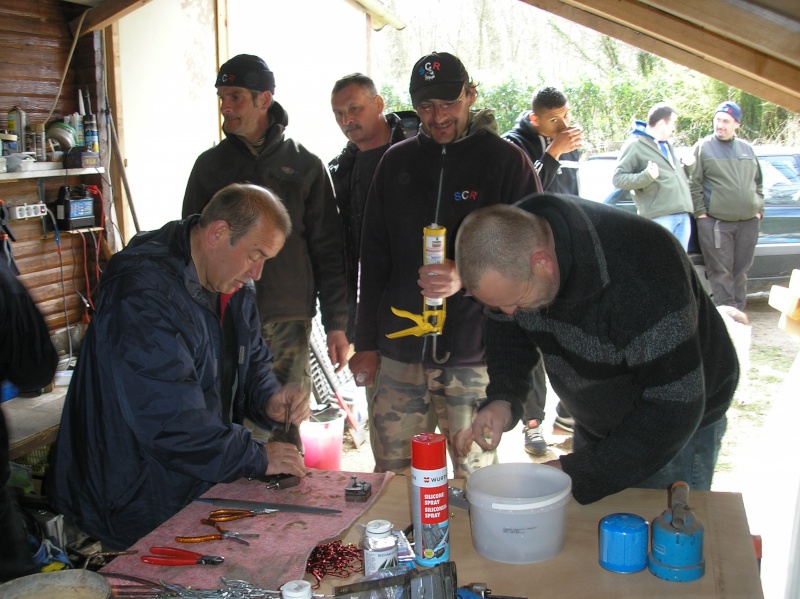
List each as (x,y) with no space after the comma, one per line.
(28,211)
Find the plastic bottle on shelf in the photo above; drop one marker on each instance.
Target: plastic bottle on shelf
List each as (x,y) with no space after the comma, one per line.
(75,120)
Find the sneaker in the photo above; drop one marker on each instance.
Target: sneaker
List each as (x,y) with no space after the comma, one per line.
(564,419)
(534,441)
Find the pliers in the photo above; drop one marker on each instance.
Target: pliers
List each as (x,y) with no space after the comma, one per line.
(170,556)
(220,535)
(226,515)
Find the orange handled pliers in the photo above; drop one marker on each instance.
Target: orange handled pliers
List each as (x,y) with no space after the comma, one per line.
(226,515)
(220,535)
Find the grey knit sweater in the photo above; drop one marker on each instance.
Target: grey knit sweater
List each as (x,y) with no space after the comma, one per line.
(633,347)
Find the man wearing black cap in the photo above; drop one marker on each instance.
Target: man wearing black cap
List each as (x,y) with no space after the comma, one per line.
(728,204)
(455,165)
(311,264)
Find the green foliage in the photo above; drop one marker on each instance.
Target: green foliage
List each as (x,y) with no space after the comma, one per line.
(395,99)
(606,107)
(508,100)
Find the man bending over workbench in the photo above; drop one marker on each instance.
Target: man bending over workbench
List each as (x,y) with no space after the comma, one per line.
(171,363)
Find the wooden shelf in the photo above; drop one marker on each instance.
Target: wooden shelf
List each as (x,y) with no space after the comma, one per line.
(57,172)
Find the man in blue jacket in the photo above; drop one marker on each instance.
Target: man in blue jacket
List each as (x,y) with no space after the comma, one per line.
(171,364)
(28,360)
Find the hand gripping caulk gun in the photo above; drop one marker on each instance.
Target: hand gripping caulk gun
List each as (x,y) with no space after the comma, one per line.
(431,322)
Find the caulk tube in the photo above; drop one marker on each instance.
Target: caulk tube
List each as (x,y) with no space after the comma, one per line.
(430,509)
(433,248)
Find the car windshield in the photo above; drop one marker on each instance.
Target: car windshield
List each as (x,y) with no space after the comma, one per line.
(595,177)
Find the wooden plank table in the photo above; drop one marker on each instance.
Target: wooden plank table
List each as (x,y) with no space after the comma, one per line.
(731,566)
(33,421)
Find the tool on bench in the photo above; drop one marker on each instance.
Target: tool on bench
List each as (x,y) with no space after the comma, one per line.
(229,515)
(279,481)
(481,589)
(170,556)
(220,535)
(357,491)
(263,507)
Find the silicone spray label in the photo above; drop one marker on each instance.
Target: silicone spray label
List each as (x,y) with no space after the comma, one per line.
(430,509)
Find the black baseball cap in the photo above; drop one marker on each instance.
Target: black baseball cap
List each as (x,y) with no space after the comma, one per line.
(437,76)
(247,71)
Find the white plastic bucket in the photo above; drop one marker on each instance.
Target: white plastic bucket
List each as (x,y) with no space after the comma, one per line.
(518,511)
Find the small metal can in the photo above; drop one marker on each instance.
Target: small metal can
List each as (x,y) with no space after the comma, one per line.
(9,142)
(17,125)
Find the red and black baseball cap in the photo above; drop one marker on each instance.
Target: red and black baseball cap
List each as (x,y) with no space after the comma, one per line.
(437,76)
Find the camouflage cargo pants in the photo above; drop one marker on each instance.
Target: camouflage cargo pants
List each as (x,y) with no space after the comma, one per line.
(412,399)
(289,342)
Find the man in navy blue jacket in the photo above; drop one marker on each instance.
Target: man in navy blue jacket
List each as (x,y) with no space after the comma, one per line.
(28,360)
(171,363)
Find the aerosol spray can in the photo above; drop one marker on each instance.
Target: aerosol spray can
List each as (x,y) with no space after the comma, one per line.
(17,125)
(90,133)
(434,247)
(430,509)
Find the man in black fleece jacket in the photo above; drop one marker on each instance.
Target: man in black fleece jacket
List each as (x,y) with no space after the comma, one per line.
(632,344)
(455,165)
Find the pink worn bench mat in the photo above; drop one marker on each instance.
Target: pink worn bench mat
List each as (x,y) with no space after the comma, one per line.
(277,556)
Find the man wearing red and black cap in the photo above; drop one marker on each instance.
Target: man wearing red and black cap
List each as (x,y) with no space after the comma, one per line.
(311,264)
(455,165)
(728,204)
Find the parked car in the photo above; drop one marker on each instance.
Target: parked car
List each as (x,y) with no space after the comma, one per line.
(778,250)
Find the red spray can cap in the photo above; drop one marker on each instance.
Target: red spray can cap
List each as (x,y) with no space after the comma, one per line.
(428,451)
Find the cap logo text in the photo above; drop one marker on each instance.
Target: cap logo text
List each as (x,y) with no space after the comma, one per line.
(428,70)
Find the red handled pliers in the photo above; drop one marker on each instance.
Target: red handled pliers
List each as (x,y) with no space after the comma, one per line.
(170,556)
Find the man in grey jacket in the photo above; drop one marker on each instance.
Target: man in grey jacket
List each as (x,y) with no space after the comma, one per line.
(649,167)
(728,203)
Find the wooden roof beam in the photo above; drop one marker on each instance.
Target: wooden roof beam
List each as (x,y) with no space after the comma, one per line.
(785,93)
(104,14)
(766,31)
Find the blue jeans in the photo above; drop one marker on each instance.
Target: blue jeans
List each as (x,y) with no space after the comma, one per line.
(680,225)
(694,464)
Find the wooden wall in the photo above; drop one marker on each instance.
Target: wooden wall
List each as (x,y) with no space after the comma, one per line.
(35,43)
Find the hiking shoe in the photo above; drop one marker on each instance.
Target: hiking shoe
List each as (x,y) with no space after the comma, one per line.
(534,440)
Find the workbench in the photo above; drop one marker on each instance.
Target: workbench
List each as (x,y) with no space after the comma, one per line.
(731,567)
(33,421)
